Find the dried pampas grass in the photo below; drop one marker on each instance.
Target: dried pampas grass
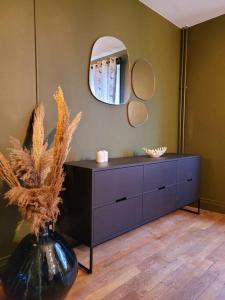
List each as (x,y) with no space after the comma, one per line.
(35,177)
(22,163)
(6,172)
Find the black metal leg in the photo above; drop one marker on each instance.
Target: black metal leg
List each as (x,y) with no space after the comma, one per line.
(199,205)
(90,269)
(193,211)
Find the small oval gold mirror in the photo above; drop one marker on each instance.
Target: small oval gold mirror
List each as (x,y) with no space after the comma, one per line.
(137,113)
(143,80)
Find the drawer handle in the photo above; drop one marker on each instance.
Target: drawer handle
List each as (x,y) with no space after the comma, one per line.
(121,199)
(161,188)
(189,179)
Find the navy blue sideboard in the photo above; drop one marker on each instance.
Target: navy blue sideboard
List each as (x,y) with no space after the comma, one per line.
(102,201)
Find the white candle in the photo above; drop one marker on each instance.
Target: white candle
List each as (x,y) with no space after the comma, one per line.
(100,157)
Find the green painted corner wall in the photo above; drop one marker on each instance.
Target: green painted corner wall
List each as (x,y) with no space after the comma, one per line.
(66,31)
(205,115)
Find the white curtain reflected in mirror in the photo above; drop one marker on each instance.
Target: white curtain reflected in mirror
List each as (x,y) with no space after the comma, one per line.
(104,80)
(109,78)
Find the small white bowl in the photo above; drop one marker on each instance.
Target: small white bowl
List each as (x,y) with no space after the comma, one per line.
(157,152)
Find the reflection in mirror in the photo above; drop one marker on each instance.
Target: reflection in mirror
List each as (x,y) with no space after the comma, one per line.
(137,113)
(109,78)
(143,80)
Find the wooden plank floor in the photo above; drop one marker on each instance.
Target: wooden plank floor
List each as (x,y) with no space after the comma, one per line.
(178,257)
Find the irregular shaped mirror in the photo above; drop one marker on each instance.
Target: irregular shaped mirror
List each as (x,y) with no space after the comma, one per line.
(137,113)
(143,80)
(109,78)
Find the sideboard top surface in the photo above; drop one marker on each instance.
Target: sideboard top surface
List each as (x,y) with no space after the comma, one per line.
(126,161)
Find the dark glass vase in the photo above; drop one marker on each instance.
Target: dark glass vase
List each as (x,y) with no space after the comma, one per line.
(42,268)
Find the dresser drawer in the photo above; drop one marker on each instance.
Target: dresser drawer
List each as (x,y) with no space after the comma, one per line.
(115,218)
(159,175)
(115,184)
(160,202)
(187,192)
(188,169)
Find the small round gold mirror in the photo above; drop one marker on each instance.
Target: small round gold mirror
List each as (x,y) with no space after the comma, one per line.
(137,113)
(143,80)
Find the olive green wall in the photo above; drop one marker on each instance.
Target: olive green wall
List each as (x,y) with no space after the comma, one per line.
(66,31)
(17,92)
(205,118)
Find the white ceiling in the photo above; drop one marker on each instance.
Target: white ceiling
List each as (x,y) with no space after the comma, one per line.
(187,12)
(105,46)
